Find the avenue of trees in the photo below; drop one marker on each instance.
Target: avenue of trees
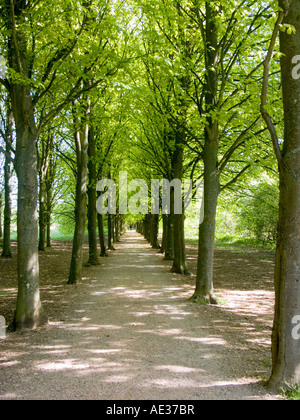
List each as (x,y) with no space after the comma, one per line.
(167,89)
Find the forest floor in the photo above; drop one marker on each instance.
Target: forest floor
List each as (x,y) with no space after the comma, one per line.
(129,332)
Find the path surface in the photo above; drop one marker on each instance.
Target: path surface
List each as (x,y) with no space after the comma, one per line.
(129,334)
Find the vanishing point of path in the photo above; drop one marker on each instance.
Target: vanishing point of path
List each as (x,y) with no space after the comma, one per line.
(129,334)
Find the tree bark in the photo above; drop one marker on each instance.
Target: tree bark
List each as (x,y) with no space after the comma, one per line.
(42,214)
(285,336)
(6,252)
(155,231)
(29,312)
(165,234)
(49,200)
(169,254)
(44,172)
(101,236)
(180,262)
(81,139)
(110,232)
(204,292)
(92,200)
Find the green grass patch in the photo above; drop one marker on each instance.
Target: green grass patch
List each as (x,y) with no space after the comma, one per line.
(293,394)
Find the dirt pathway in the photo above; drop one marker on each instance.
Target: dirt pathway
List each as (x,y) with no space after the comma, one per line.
(130,333)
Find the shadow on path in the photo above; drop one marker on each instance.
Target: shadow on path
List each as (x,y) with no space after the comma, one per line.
(130,334)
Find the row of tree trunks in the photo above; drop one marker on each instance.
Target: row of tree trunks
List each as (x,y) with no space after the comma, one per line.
(81,133)
(6,252)
(92,199)
(46,169)
(29,312)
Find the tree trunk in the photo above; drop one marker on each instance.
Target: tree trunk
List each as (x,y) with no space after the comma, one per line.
(101,236)
(42,213)
(285,337)
(110,233)
(45,183)
(92,200)
(165,233)
(81,138)
(155,231)
(204,283)
(29,313)
(6,253)
(204,292)
(180,262)
(169,254)
(49,212)
(1,230)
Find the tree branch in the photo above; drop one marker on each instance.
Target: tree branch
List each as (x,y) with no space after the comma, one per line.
(264,94)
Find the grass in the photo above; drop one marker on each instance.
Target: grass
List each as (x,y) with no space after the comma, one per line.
(293,394)
(229,242)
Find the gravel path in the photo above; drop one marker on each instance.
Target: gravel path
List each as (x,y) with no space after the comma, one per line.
(128,333)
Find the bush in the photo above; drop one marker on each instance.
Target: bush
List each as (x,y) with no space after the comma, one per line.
(258,212)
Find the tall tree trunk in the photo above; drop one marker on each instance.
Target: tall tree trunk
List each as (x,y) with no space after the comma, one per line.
(110,232)
(286,337)
(180,262)
(101,236)
(165,234)
(6,253)
(92,200)
(155,231)
(81,139)
(45,184)
(169,254)
(1,230)
(49,206)
(29,312)
(204,292)
(42,214)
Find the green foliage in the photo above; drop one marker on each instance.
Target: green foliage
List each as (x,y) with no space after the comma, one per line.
(248,215)
(293,394)
(258,214)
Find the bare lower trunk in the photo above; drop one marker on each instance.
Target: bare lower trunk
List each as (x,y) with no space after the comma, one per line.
(155,231)
(101,236)
(169,254)
(110,233)
(80,204)
(29,313)
(42,215)
(49,211)
(165,233)
(285,336)
(92,201)
(180,262)
(6,252)
(204,292)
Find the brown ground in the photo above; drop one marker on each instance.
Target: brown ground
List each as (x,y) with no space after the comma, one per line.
(128,331)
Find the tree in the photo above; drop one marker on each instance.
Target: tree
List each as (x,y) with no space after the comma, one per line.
(7,135)
(81,114)
(285,342)
(43,65)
